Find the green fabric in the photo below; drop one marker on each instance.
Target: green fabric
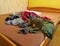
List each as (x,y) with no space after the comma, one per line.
(39,23)
(49,29)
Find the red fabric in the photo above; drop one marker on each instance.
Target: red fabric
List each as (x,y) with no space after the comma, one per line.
(46,18)
(24,17)
(26,13)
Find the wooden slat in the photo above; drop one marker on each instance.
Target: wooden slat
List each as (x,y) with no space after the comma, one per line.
(6,41)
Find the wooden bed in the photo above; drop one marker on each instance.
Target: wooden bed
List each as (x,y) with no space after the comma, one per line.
(30,39)
(51,13)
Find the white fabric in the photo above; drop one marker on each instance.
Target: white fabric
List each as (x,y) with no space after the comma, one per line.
(36,12)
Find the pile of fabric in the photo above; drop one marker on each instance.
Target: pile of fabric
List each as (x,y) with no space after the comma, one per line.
(31,22)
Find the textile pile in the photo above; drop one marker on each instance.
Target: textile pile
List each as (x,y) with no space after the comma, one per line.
(31,22)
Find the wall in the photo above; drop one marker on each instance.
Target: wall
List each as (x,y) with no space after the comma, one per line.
(11,6)
(45,3)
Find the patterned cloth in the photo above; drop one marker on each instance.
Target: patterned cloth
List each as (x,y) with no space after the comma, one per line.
(43,25)
(40,25)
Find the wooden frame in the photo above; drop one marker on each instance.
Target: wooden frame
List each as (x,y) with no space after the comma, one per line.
(45,9)
(10,34)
